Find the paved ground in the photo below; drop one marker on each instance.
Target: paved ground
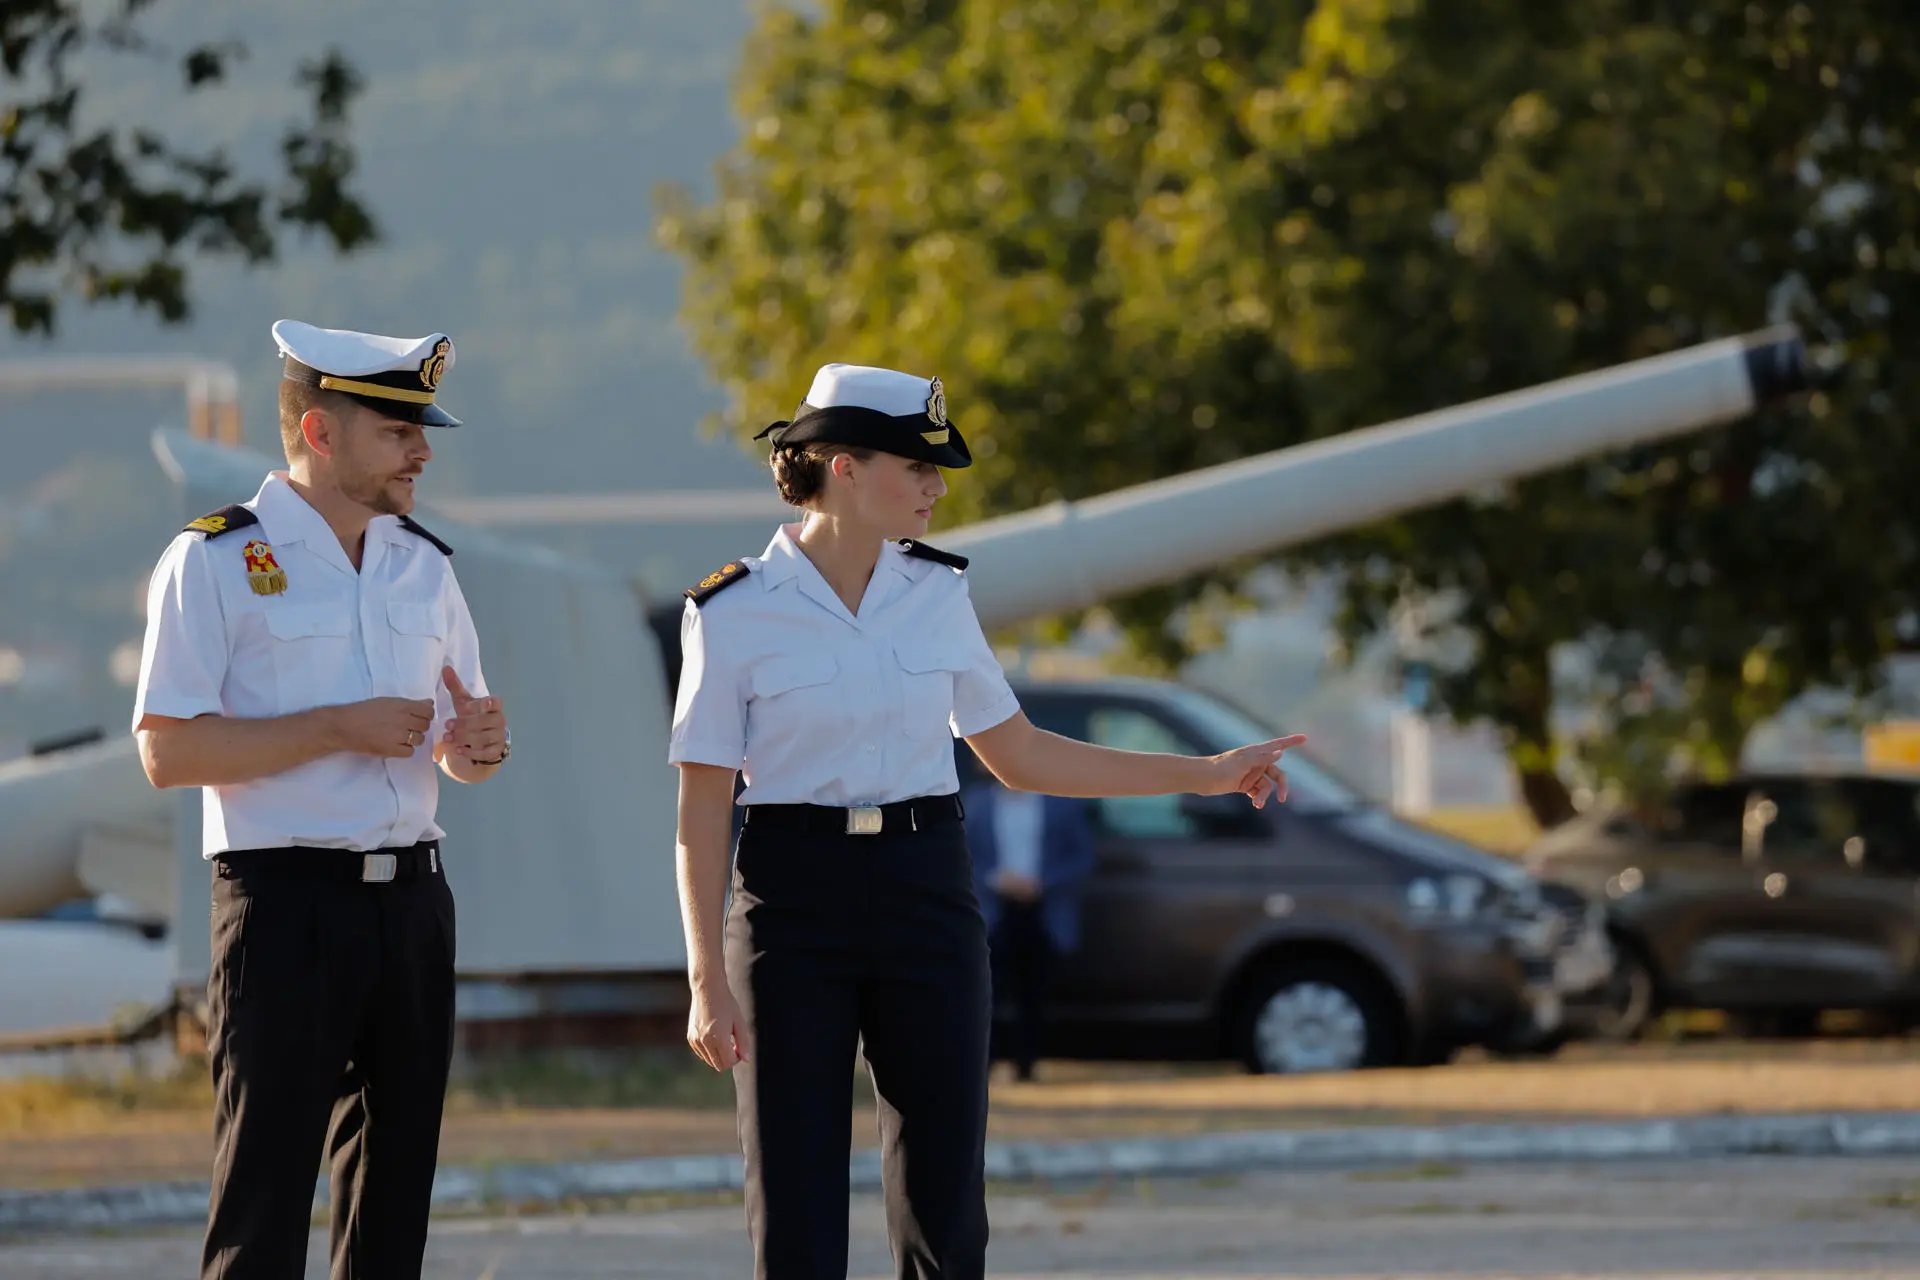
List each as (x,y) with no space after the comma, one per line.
(1760,1217)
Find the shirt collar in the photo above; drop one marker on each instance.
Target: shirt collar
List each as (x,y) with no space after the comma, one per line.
(892,557)
(783,559)
(289,518)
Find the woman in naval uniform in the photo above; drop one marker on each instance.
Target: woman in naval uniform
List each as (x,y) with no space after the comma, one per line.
(831,671)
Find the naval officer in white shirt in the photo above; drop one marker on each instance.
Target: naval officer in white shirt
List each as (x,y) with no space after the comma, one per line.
(833,672)
(311,665)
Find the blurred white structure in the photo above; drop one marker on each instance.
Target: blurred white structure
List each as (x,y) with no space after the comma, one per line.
(212,388)
(1412,738)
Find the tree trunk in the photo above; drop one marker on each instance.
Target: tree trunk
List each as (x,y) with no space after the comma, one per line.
(1528,717)
(1547,797)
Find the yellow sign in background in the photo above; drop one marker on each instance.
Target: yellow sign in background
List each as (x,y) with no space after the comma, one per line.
(1894,744)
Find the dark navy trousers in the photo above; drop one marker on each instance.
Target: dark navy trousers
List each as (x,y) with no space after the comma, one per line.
(843,944)
(331,1034)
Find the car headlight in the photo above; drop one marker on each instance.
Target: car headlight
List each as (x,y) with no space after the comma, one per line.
(1516,911)
(1455,897)
(1423,897)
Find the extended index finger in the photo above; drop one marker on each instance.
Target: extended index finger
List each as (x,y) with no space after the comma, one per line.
(1279,746)
(451,678)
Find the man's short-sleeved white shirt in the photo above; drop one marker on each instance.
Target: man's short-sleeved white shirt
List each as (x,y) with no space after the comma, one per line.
(334,636)
(819,705)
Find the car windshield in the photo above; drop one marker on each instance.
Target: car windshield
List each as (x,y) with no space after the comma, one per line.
(1311,786)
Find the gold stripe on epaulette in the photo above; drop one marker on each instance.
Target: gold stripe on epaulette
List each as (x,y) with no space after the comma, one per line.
(209,524)
(331,383)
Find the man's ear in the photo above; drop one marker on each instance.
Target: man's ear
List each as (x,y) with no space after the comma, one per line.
(317,427)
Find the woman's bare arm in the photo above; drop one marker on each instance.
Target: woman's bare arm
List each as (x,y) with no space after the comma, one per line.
(702,864)
(1028,758)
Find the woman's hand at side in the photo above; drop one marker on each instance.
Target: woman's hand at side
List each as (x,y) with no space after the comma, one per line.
(716,1029)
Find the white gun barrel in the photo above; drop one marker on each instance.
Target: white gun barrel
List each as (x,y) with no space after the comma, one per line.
(1074,554)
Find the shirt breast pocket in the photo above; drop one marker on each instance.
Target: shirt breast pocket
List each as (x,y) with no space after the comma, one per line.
(419,632)
(313,659)
(929,674)
(795,693)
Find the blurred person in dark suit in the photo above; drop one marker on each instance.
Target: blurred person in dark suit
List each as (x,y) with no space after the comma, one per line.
(1031,855)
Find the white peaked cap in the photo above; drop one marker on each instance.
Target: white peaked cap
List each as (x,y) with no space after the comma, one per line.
(398,376)
(889,391)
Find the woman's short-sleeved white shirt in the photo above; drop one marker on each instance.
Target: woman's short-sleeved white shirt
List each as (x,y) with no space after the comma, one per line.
(818,705)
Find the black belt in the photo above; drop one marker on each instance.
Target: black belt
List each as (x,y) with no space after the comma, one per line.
(917,814)
(408,862)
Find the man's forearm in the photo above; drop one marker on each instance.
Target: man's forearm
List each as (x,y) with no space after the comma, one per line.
(218,751)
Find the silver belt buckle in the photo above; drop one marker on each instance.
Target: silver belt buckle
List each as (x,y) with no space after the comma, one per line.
(864,820)
(378,868)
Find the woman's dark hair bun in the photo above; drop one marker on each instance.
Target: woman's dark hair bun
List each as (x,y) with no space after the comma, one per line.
(799,478)
(800,470)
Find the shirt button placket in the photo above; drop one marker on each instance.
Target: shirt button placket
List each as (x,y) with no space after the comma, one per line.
(889,682)
(373,634)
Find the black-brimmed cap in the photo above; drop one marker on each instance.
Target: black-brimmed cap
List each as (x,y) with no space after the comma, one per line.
(881,409)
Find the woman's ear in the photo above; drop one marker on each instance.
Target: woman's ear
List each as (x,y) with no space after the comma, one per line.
(842,465)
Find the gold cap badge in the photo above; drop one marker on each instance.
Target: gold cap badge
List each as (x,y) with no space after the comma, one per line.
(435,365)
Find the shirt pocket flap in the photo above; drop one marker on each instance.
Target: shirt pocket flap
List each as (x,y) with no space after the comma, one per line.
(297,622)
(782,675)
(415,618)
(929,656)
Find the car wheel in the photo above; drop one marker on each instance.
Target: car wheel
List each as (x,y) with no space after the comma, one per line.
(1628,1008)
(1317,1016)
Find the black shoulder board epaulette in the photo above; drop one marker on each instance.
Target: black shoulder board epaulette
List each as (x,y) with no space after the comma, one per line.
(717,581)
(934,554)
(406,522)
(225,520)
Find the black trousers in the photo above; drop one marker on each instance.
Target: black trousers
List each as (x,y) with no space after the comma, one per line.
(331,1032)
(1022,964)
(837,943)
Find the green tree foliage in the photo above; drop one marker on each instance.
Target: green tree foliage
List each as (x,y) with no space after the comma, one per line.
(114,212)
(1138,239)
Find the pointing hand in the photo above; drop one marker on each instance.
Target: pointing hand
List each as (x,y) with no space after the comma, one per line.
(1254,770)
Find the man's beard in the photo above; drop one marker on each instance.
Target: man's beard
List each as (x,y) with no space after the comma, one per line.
(371,493)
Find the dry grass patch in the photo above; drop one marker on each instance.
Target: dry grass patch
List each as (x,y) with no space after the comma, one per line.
(1505,829)
(80,1104)
(1566,1089)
